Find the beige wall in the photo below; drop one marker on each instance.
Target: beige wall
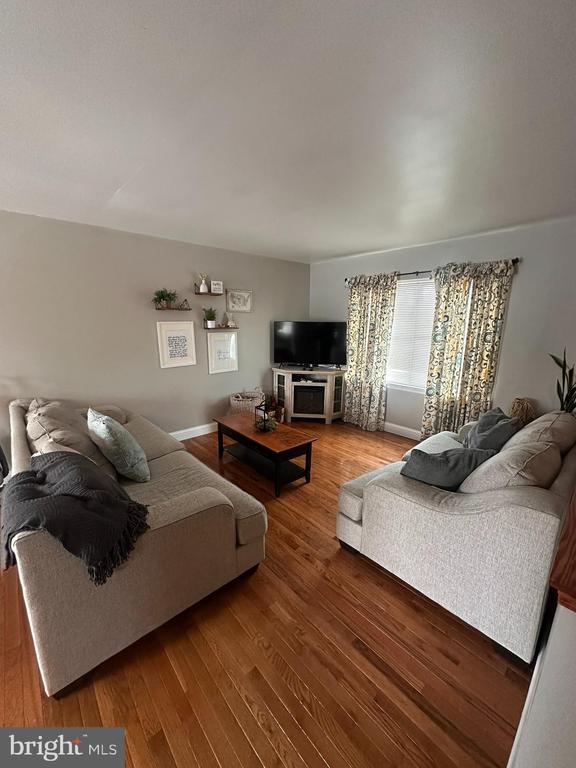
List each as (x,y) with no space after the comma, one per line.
(541,315)
(76,319)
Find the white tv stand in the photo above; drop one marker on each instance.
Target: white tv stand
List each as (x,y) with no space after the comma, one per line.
(310,394)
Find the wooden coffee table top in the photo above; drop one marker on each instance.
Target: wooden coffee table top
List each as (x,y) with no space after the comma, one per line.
(281,439)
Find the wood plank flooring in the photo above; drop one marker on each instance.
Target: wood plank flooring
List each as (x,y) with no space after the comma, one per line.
(318,659)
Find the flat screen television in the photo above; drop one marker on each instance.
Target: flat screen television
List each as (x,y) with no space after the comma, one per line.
(309,343)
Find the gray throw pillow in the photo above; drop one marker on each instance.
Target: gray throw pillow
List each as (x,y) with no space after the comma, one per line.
(446,470)
(118,445)
(492,430)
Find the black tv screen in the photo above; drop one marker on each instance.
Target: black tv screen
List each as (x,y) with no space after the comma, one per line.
(309,343)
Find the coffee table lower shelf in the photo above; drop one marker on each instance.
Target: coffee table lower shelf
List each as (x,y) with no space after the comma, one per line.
(280,473)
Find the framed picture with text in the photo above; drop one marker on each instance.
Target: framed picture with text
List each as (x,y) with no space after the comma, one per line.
(222,351)
(176,344)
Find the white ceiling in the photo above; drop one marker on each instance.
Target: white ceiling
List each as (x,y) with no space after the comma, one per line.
(301,129)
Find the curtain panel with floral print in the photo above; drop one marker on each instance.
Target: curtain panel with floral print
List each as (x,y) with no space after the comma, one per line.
(471,302)
(370,313)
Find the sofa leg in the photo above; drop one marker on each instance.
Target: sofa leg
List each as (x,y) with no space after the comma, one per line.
(347,547)
(252,570)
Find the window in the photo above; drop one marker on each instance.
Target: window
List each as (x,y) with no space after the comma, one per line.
(411,333)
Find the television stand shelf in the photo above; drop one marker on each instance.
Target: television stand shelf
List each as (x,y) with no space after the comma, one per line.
(310,394)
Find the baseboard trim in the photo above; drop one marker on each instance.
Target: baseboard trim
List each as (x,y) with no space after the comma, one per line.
(201,429)
(206,429)
(397,429)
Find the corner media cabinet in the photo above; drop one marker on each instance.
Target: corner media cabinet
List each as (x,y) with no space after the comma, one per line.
(310,394)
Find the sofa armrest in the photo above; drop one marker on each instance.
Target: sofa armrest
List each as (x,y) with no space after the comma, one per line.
(189,552)
(19,448)
(486,557)
(190,503)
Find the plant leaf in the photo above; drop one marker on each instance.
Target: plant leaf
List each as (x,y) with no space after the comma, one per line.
(560,394)
(557,360)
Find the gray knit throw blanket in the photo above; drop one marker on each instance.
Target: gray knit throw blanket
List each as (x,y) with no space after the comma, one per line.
(75,501)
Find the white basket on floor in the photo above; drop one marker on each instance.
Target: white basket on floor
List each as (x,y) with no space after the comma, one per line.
(246,401)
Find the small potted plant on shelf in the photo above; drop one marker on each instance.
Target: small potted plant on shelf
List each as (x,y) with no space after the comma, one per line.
(209,317)
(164,299)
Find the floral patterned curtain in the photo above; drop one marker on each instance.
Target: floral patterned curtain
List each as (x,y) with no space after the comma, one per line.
(370,312)
(471,301)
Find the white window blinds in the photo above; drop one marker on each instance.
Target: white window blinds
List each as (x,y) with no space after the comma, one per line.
(411,332)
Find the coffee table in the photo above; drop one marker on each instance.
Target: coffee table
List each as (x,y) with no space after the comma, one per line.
(267,452)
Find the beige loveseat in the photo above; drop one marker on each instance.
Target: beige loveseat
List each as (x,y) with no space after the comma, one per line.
(204,532)
(485,555)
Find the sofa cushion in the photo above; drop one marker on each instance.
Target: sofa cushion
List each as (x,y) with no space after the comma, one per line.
(352,494)
(50,423)
(154,441)
(534,464)
(119,447)
(446,470)
(556,427)
(179,472)
(443,441)
(492,430)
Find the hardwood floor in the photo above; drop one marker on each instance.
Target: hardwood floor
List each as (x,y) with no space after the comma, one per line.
(320,658)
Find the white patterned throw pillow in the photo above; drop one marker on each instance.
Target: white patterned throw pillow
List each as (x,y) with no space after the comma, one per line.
(118,446)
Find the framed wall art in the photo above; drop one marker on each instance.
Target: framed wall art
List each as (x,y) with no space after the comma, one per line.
(222,351)
(176,344)
(238,300)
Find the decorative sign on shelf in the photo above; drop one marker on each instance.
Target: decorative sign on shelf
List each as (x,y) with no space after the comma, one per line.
(176,344)
(216,287)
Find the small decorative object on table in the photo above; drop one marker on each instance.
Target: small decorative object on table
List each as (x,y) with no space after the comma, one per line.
(209,317)
(164,298)
(216,286)
(203,287)
(522,409)
(263,420)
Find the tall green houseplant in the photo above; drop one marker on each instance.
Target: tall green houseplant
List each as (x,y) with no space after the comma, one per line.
(565,387)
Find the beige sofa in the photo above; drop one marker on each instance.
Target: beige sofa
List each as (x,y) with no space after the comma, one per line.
(485,556)
(204,532)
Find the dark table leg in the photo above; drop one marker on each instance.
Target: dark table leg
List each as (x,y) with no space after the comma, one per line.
(308,461)
(220,442)
(277,466)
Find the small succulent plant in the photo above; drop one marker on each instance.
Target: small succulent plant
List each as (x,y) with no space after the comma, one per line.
(164,297)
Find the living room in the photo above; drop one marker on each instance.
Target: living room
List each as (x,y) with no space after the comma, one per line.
(252,255)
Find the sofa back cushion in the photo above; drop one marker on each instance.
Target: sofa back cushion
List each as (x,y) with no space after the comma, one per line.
(154,441)
(556,427)
(492,430)
(51,425)
(527,464)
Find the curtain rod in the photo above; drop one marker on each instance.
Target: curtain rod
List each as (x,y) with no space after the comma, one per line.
(424,271)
